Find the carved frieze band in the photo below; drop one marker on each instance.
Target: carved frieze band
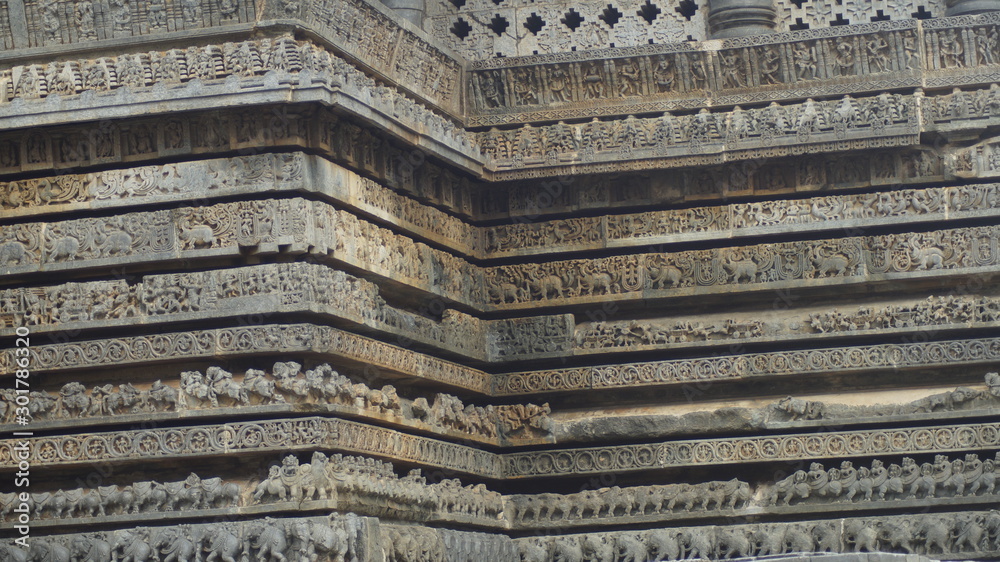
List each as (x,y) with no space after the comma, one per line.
(359,484)
(293,225)
(333,538)
(702,452)
(834,60)
(261,339)
(141,140)
(203,180)
(230,342)
(299,434)
(286,387)
(743,219)
(280,172)
(271,288)
(962,535)
(675,141)
(729,367)
(788,264)
(229,66)
(303,226)
(361,29)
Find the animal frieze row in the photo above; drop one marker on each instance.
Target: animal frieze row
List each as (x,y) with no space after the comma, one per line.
(249,438)
(286,383)
(939,312)
(334,538)
(361,484)
(703,132)
(968,476)
(253,174)
(412,543)
(288,339)
(293,225)
(368,486)
(803,263)
(969,534)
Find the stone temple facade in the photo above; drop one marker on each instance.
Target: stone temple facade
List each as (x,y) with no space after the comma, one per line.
(499,280)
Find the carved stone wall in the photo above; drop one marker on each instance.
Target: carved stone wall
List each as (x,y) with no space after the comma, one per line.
(299,281)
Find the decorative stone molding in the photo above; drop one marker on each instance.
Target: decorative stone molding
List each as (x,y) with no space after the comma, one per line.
(250,438)
(270,127)
(739,71)
(780,265)
(705,452)
(702,138)
(285,388)
(251,67)
(334,538)
(218,294)
(833,212)
(394,51)
(939,535)
(359,484)
(231,342)
(852,359)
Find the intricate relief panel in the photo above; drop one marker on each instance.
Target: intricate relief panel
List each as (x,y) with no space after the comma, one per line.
(411,61)
(299,62)
(417,544)
(297,434)
(766,265)
(739,133)
(228,342)
(55,22)
(596,460)
(835,211)
(238,291)
(324,539)
(841,359)
(361,484)
(940,535)
(546,509)
(285,385)
(658,78)
(947,312)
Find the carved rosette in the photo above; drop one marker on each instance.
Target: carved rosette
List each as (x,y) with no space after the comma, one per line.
(735,18)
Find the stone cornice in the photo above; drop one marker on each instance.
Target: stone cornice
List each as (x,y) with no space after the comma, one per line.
(248,438)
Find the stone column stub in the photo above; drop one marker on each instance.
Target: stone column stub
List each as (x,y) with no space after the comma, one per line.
(971,7)
(736,18)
